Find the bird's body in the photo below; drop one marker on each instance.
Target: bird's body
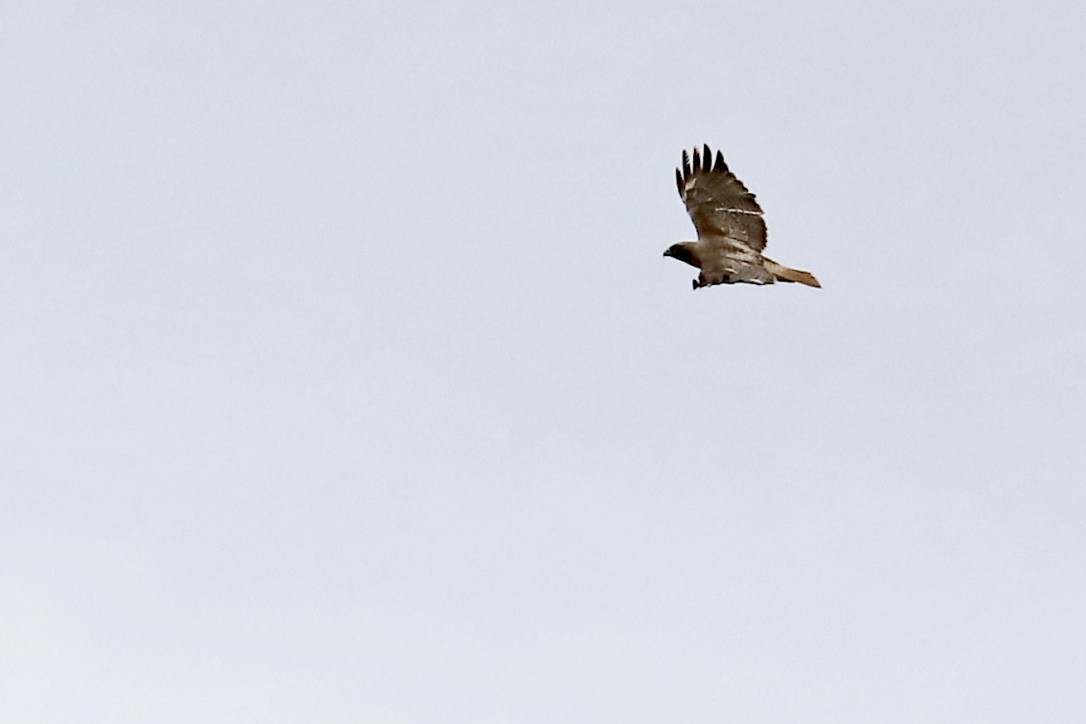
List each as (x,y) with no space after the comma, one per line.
(731,231)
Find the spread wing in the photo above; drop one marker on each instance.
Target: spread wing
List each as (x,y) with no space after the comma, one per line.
(718,203)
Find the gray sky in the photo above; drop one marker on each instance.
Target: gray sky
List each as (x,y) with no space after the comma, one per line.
(344,379)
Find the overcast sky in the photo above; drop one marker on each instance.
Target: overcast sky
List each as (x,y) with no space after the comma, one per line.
(344,380)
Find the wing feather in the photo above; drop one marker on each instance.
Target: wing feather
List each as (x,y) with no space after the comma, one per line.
(718,203)
(720,166)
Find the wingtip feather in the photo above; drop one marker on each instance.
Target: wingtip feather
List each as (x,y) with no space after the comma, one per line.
(719,166)
(704,161)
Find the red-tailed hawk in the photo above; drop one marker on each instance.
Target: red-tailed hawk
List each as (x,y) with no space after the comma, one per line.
(731,232)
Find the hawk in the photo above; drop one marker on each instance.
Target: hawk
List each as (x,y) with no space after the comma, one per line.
(731,232)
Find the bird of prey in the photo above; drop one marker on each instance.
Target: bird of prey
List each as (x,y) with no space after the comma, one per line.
(731,232)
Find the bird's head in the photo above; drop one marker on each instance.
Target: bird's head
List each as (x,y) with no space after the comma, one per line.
(682,252)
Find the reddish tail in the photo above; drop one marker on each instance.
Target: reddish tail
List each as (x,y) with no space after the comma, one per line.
(787,274)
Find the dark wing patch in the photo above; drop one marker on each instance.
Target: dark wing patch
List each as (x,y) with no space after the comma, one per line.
(718,203)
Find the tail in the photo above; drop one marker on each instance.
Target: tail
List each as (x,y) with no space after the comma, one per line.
(786,274)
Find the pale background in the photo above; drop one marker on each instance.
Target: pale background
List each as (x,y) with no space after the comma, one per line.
(344,381)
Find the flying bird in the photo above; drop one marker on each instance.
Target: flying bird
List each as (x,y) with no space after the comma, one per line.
(731,232)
